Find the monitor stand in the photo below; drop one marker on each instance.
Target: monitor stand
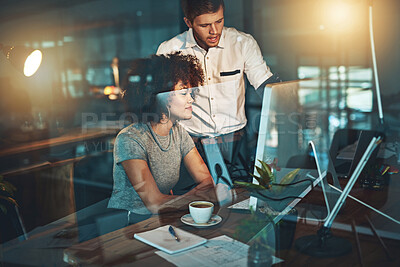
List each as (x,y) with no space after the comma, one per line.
(323,245)
(216,164)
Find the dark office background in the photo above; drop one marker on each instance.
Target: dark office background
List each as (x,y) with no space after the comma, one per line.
(80,38)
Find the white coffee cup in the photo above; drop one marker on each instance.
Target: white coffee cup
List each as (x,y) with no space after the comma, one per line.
(201,211)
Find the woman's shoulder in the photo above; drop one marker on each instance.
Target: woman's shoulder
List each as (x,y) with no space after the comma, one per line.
(181,132)
(136,130)
(178,129)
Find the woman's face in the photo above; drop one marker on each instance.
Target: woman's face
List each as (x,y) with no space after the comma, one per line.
(180,102)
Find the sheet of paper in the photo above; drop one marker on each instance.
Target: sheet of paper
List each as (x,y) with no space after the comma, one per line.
(221,251)
(244,204)
(161,238)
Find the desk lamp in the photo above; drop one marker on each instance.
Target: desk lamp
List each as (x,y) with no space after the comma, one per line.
(25,60)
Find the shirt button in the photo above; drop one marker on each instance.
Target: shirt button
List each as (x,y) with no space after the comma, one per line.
(208,58)
(213,115)
(209,79)
(212,98)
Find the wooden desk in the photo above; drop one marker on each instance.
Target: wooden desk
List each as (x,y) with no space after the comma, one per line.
(119,247)
(28,156)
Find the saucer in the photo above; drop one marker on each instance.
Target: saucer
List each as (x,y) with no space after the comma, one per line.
(187,219)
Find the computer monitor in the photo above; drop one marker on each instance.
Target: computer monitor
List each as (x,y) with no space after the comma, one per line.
(291,117)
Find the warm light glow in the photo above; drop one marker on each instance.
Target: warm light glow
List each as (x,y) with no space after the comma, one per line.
(32,63)
(338,14)
(113,97)
(111,90)
(117,91)
(108,90)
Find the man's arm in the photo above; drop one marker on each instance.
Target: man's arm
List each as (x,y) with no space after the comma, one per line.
(256,69)
(273,79)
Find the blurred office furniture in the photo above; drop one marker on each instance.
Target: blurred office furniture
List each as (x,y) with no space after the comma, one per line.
(43,172)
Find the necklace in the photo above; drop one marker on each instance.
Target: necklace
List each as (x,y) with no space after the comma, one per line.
(154,135)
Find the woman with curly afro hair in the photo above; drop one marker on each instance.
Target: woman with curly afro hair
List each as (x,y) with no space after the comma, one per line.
(149,152)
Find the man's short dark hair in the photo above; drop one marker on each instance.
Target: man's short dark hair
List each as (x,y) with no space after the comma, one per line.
(194,8)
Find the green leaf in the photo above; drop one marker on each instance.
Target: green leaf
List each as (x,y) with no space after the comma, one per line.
(261,172)
(9,185)
(266,167)
(288,178)
(6,190)
(266,178)
(257,178)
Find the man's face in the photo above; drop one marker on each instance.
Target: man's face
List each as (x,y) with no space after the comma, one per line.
(207,28)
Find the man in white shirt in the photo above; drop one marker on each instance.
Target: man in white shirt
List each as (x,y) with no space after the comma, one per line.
(226,55)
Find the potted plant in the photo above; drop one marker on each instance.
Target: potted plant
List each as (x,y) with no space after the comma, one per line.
(275,197)
(9,215)
(269,190)
(6,194)
(267,179)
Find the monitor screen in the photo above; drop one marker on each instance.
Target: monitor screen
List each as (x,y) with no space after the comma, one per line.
(292,116)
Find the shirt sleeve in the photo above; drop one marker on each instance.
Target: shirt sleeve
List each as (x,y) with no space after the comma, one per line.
(127,147)
(187,143)
(255,67)
(162,49)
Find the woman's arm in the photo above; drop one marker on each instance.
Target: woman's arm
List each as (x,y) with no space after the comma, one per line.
(142,180)
(198,170)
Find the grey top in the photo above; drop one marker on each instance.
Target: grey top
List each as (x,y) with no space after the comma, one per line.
(163,155)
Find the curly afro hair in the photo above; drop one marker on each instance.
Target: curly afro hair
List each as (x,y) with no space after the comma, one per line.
(148,77)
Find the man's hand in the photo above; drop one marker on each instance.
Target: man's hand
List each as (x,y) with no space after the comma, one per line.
(273,79)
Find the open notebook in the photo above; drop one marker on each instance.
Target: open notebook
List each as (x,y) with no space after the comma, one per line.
(161,239)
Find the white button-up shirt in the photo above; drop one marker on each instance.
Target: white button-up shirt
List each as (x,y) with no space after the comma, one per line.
(219,106)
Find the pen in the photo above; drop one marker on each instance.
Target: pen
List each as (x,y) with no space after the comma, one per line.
(172,232)
(386,169)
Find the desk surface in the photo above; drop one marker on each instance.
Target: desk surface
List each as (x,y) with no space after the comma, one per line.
(119,248)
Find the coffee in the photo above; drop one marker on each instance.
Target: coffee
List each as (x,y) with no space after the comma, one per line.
(201,205)
(201,211)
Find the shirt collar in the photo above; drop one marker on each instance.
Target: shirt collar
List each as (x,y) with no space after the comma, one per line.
(191,42)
